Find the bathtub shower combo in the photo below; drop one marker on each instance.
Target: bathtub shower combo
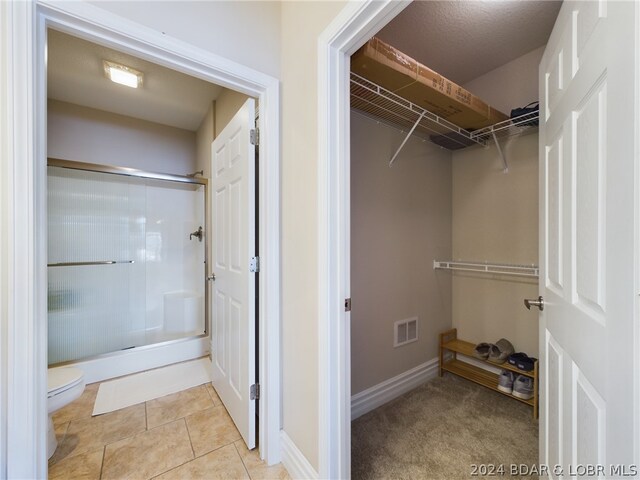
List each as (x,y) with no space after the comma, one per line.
(126,262)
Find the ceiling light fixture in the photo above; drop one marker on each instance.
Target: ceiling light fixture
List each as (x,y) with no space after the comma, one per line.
(122,74)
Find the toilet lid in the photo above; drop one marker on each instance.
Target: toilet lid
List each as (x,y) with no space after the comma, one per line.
(62,378)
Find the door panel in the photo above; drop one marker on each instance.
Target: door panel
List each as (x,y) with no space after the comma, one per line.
(232,246)
(587,135)
(587,422)
(554,402)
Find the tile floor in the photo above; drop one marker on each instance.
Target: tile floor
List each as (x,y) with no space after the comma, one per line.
(186,435)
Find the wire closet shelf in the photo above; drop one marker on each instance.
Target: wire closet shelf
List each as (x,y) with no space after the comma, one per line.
(489,268)
(388,107)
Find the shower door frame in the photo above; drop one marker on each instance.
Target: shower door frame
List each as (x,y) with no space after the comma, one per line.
(23,365)
(161,177)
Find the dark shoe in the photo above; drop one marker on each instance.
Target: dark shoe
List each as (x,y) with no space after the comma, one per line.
(526,364)
(522,361)
(514,357)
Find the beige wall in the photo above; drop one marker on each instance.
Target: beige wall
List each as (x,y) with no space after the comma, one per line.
(220,113)
(227,105)
(204,136)
(302,22)
(512,85)
(495,219)
(87,135)
(400,223)
(246,32)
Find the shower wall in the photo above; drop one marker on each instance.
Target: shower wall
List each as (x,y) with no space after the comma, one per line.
(155,289)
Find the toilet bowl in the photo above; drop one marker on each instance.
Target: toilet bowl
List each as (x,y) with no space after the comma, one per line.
(64,386)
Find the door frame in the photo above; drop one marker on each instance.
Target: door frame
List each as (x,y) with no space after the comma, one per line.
(353,26)
(23,337)
(350,30)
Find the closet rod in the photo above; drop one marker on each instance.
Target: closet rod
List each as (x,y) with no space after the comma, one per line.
(490,268)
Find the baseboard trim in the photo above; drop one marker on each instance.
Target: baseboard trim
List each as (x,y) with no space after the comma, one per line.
(294,461)
(386,391)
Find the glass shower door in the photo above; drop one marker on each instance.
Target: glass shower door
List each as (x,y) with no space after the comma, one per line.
(123,271)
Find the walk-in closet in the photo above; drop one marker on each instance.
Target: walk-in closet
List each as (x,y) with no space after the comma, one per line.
(444,237)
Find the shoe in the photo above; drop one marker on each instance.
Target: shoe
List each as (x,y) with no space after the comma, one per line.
(514,357)
(523,387)
(482,350)
(505,381)
(499,352)
(522,361)
(526,364)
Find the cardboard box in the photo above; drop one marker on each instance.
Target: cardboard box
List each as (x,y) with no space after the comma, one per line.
(390,68)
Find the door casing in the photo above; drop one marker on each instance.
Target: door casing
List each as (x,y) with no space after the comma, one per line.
(23,439)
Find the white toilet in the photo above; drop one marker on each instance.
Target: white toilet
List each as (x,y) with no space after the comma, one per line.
(64,386)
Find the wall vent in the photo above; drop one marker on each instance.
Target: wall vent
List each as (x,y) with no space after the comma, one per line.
(405,331)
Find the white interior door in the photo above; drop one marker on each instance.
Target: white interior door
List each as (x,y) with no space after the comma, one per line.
(232,247)
(587,133)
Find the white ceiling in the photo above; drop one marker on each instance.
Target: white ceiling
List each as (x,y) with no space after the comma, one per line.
(463,40)
(76,75)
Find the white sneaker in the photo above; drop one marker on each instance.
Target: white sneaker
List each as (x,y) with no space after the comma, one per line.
(505,381)
(523,387)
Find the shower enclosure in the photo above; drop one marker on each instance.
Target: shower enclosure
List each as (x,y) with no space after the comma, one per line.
(126,259)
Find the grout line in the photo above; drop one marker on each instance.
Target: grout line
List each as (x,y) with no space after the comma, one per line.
(213,400)
(184,419)
(104,454)
(129,436)
(146,418)
(183,463)
(241,459)
(218,448)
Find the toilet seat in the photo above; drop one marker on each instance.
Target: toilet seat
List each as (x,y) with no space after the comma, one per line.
(62,379)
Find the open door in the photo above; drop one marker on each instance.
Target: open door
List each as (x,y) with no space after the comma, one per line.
(232,250)
(587,165)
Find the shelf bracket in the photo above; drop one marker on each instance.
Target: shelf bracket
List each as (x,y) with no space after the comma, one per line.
(393,159)
(504,160)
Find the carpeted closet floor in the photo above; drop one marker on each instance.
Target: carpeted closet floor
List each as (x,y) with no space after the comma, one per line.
(439,430)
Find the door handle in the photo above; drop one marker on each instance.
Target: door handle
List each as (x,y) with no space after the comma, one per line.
(528,302)
(211,277)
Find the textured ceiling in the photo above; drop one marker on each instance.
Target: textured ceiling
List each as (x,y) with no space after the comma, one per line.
(463,40)
(75,74)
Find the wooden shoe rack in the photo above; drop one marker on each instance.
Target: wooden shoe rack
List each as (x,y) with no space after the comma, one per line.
(451,347)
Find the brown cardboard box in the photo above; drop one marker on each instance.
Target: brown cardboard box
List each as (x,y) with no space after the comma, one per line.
(388,67)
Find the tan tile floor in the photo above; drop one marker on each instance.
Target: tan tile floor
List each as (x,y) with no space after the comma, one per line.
(186,435)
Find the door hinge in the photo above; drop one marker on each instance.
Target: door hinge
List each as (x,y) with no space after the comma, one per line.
(347,304)
(254,136)
(254,392)
(254,264)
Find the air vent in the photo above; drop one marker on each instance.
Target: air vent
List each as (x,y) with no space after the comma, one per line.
(405,331)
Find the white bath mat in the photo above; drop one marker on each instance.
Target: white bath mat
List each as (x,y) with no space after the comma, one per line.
(140,387)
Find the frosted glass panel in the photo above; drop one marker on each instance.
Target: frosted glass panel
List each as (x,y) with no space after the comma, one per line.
(155,289)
